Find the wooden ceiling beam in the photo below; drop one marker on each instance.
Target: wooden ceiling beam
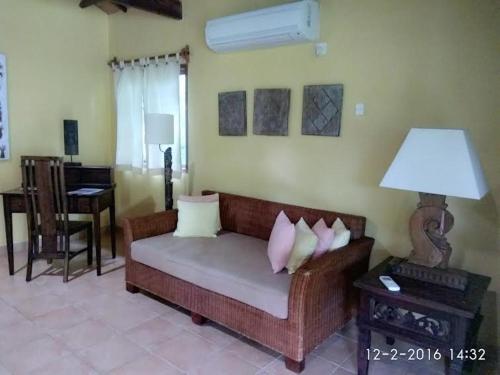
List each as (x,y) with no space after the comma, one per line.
(88,3)
(168,8)
(109,7)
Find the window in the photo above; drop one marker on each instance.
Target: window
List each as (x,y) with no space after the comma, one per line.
(183,119)
(150,88)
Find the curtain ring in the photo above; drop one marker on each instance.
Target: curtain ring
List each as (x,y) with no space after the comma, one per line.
(122,64)
(156,60)
(177,56)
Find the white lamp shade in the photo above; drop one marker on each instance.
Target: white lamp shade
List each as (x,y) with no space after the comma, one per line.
(437,161)
(159,128)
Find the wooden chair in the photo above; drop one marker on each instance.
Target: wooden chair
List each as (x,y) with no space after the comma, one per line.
(47,213)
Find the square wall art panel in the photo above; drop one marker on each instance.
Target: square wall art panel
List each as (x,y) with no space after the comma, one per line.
(270,114)
(233,113)
(4,115)
(322,110)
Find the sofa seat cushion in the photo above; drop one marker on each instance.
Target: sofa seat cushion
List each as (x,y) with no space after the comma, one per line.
(232,264)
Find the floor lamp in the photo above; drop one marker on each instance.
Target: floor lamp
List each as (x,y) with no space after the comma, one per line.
(160,131)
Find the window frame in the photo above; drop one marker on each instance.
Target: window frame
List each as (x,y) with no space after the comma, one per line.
(184,71)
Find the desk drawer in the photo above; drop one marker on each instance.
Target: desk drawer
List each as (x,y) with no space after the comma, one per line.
(80,205)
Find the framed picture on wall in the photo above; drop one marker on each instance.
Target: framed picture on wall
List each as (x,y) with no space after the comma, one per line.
(270,113)
(4,115)
(322,110)
(233,113)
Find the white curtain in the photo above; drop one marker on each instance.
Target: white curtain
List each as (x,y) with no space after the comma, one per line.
(129,116)
(140,89)
(161,95)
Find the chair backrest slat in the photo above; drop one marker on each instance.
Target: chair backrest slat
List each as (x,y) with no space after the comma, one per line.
(45,196)
(30,197)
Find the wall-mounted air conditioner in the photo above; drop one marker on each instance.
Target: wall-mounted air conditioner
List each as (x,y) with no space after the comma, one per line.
(279,25)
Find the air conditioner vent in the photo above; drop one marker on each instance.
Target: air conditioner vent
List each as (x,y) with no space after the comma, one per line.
(279,25)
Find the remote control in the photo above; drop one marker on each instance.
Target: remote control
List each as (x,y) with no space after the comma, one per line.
(389,283)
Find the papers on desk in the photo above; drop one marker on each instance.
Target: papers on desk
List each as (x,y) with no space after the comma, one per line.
(85,191)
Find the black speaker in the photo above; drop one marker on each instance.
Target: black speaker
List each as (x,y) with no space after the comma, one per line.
(71,137)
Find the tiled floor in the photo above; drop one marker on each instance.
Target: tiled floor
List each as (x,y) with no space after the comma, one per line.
(91,325)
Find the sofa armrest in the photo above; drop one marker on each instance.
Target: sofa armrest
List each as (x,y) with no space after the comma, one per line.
(341,258)
(148,226)
(317,285)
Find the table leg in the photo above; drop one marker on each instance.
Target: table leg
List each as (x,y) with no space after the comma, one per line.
(112,224)
(364,343)
(97,235)
(8,233)
(472,343)
(454,367)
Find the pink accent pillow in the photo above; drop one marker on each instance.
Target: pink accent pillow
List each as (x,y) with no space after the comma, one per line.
(325,236)
(281,242)
(199,198)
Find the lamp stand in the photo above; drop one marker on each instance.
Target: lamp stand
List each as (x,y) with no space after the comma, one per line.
(428,261)
(72,163)
(167,158)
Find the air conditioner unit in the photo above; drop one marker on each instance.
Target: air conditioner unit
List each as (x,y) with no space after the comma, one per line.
(269,27)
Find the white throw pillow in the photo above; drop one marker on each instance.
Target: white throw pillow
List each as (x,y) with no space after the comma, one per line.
(342,235)
(304,246)
(203,199)
(197,219)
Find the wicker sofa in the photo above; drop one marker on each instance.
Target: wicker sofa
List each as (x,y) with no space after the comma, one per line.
(321,297)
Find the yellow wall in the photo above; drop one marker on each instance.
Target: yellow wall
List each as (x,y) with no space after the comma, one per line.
(56,62)
(413,63)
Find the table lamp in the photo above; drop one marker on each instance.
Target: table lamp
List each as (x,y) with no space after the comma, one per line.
(71,141)
(435,163)
(160,131)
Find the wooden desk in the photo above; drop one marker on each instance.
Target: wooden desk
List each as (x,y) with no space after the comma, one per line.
(445,321)
(75,178)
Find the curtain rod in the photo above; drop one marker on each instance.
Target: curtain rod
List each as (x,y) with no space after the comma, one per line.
(184,53)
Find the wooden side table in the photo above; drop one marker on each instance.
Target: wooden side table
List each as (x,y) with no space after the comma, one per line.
(441,320)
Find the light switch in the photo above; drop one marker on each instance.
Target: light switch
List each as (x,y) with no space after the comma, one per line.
(321,49)
(359,109)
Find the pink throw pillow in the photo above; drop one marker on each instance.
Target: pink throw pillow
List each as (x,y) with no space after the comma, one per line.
(199,198)
(281,242)
(325,236)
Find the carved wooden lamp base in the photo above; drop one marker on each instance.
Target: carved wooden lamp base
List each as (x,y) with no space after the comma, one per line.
(429,258)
